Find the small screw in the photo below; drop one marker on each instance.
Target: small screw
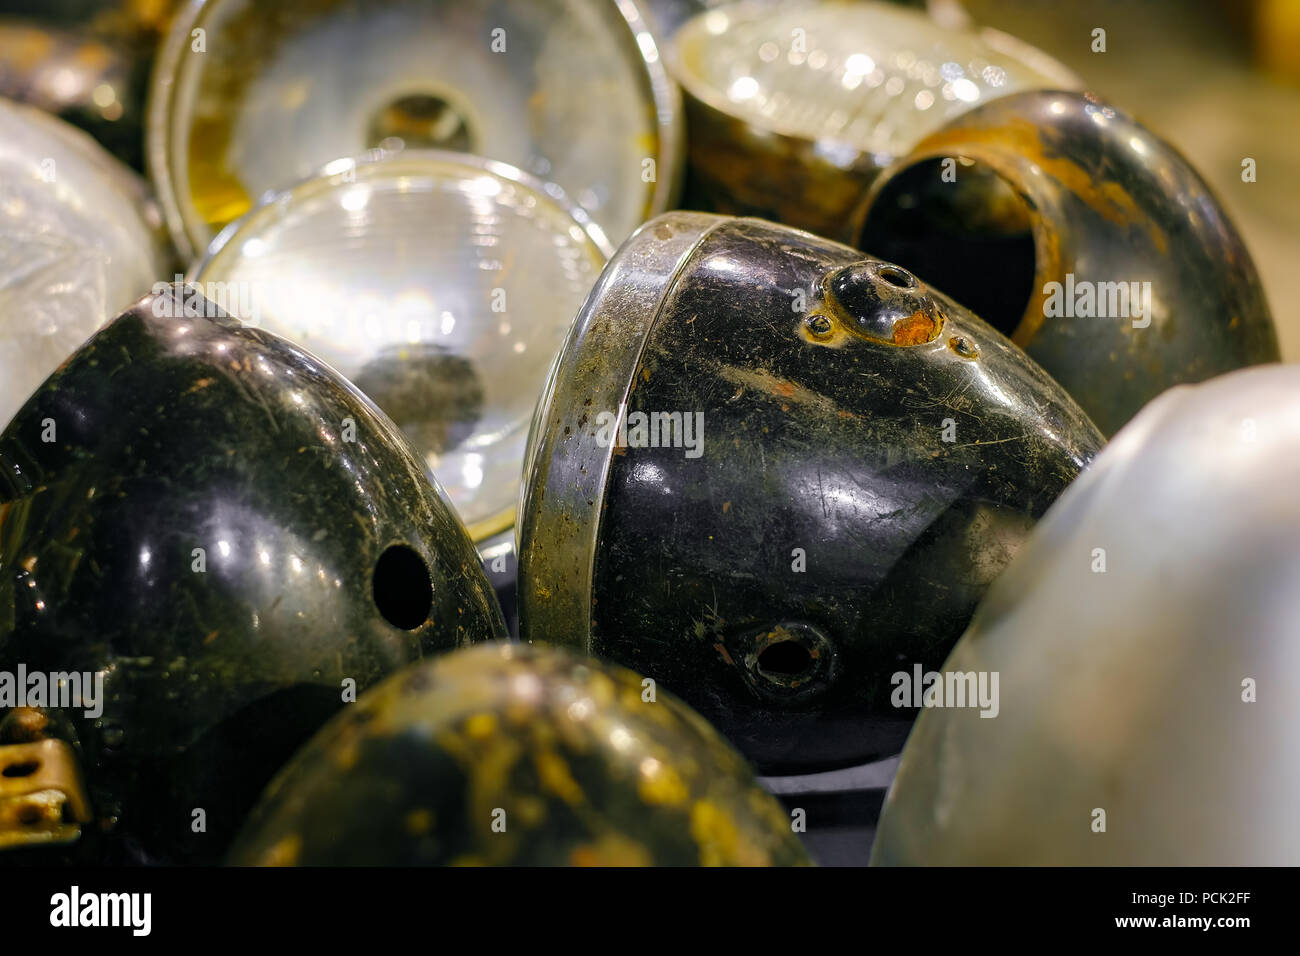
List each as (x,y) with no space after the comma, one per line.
(962,346)
(819,325)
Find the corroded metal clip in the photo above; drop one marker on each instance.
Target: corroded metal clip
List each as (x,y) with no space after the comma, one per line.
(42,796)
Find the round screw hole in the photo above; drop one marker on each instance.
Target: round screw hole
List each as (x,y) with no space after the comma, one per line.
(898,278)
(784,660)
(402,588)
(25,769)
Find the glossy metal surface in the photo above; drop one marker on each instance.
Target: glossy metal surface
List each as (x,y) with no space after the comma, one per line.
(823,432)
(1061,188)
(1164,691)
(78,243)
(520,756)
(228,532)
(793,112)
(577,96)
(442,285)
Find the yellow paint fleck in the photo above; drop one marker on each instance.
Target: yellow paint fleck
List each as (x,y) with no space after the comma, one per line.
(528,812)
(284,853)
(659,785)
(714,833)
(480,726)
(610,850)
(553,772)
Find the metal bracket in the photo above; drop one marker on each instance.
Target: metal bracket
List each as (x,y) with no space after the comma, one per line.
(42,796)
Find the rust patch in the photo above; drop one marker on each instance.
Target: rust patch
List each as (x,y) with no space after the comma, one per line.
(1047,247)
(988,144)
(781,389)
(1006,149)
(200,384)
(963,346)
(917,329)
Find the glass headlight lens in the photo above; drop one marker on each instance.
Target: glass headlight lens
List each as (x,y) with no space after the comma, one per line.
(441,285)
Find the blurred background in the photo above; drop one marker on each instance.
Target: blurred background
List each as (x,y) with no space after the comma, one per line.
(1220,79)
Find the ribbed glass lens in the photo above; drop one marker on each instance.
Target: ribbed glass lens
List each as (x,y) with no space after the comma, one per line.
(868,76)
(441,288)
(75,246)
